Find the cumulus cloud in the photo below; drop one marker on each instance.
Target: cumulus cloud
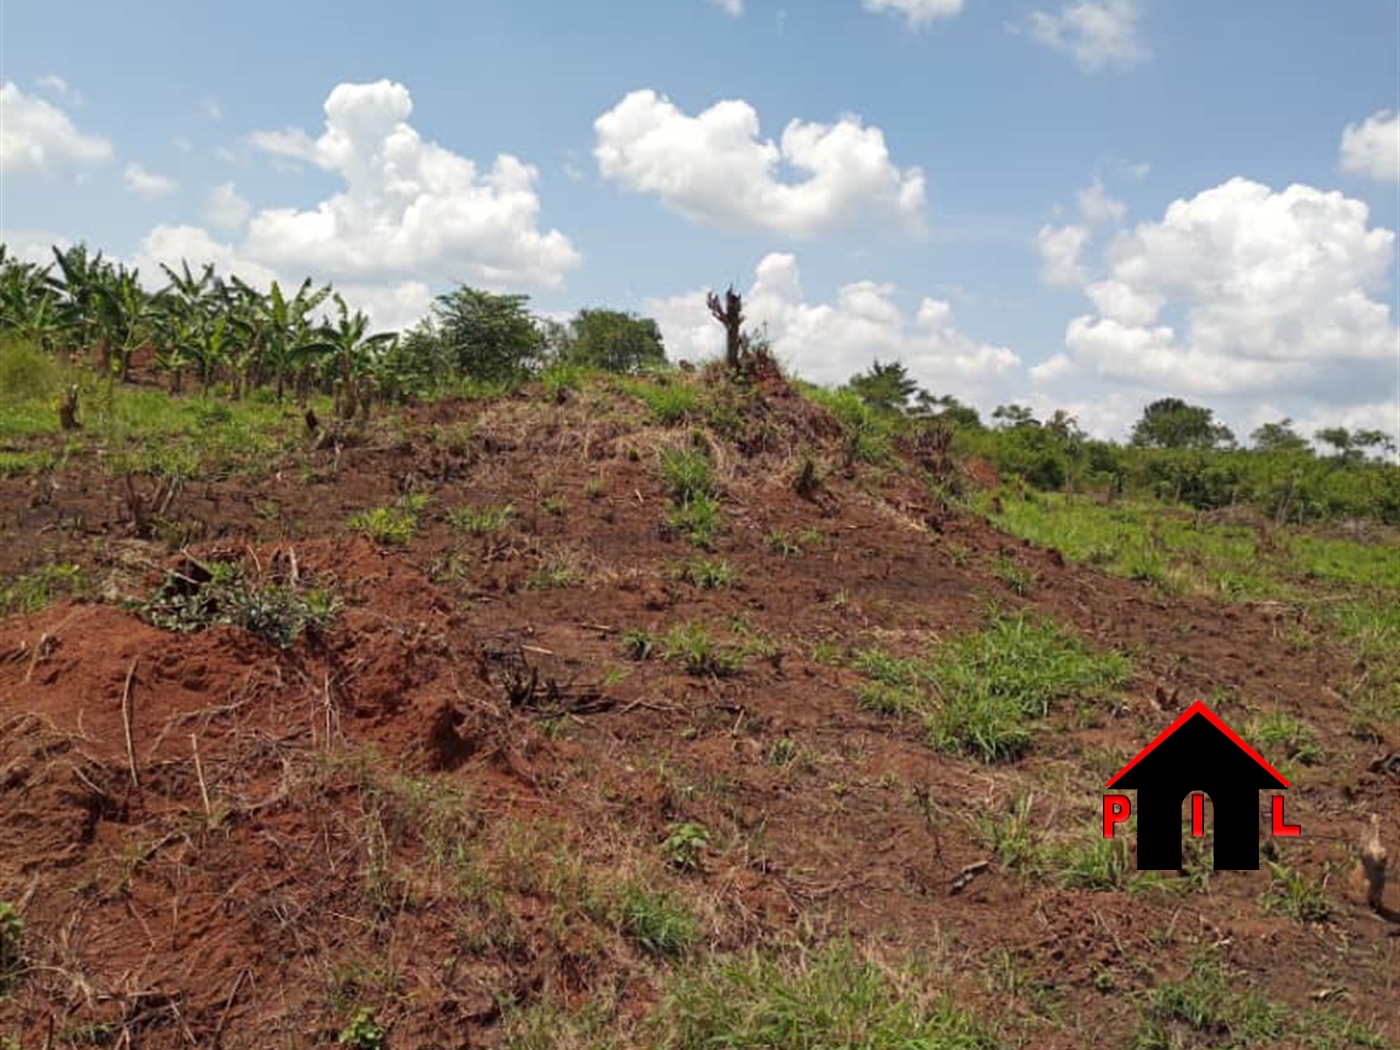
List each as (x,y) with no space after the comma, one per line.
(409,206)
(714,168)
(829,342)
(147,183)
(1098,206)
(733,8)
(39,136)
(225,208)
(1096,33)
(917,14)
(1060,249)
(1242,292)
(1373,148)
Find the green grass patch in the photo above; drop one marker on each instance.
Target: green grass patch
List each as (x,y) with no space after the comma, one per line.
(38,589)
(481,521)
(830,997)
(394,525)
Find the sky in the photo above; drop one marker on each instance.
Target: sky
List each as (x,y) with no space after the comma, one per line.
(1084,205)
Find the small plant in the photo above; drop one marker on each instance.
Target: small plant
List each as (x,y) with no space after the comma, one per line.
(638,644)
(688,473)
(363,1032)
(480,521)
(683,845)
(555,505)
(783,543)
(709,575)
(596,488)
(659,923)
(11,936)
(221,594)
(1298,895)
(698,518)
(394,525)
(1021,581)
(1280,733)
(35,591)
(700,653)
(557,572)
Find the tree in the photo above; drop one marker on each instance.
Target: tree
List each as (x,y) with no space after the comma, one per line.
(887,387)
(1278,437)
(1172,423)
(730,313)
(1012,416)
(613,341)
(946,409)
(491,338)
(1353,445)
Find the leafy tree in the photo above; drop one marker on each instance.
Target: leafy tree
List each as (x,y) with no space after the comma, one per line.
(1172,423)
(1015,416)
(613,341)
(946,409)
(887,387)
(491,338)
(1278,437)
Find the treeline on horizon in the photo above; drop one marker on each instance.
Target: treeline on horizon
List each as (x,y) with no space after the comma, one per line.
(219,334)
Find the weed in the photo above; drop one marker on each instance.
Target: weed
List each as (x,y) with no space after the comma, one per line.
(825,998)
(783,543)
(992,684)
(1207,1002)
(638,644)
(559,571)
(480,521)
(555,505)
(670,402)
(223,595)
(698,518)
(683,845)
(659,922)
(393,526)
(1298,895)
(363,1032)
(687,473)
(1021,581)
(36,590)
(1283,734)
(709,575)
(700,653)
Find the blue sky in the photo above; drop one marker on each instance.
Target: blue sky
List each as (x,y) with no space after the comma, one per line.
(1084,204)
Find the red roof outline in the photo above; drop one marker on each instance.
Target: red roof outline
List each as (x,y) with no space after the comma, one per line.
(1199,708)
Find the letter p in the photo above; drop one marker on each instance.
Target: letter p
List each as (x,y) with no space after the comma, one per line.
(1116,809)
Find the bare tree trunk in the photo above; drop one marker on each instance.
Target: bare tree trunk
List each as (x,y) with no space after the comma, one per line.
(68,410)
(731,315)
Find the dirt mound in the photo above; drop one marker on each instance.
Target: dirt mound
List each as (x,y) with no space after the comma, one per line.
(547,751)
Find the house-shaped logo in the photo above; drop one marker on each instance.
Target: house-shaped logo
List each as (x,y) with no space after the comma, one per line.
(1197,755)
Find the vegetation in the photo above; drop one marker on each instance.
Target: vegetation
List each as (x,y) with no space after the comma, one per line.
(11,943)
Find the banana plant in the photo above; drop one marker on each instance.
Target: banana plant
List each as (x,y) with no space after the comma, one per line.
(355,355)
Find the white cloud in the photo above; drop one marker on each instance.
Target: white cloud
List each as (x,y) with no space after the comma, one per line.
(1243,292)
(713,168)
(225,208)
(173,245)
(1373,148)
(1096,33)
(917,14)
(1098,206)
(147,183)
(390,307)
(409,206)
(1060,249)
(32,246)
(733,8)
(212,109)
(39,136)
(57,86)
(829,342)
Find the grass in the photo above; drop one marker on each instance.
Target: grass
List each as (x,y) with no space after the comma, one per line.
(980,695)
(394,525)
(994,684)
(39,589)
(11,945)
(1298,895)
(707,574)
(1207,1008)
(687,473)
(700,653)
(698,518)
(481,521)
(829,997)
(1334,587)
(670,400)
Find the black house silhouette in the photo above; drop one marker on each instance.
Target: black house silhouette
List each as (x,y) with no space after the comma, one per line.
(1198,752)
